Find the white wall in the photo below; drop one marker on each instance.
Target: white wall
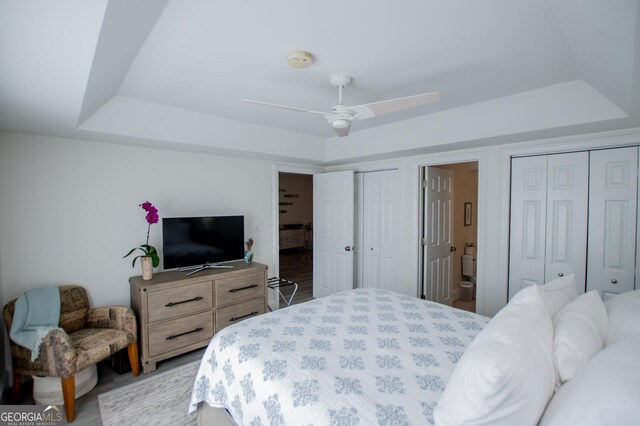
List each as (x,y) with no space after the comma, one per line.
(69,209)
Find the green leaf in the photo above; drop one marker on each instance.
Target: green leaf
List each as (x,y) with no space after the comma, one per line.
(133,264)
(155,259)
(132,250)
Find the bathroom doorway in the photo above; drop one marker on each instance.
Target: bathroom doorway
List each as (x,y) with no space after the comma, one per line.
(450,234)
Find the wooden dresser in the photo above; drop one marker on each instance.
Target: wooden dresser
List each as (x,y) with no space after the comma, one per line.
(177,314)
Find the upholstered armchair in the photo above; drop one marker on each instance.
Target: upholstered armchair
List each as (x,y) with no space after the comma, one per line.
(87,336)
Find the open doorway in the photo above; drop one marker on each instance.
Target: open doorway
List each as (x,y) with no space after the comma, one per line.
(450,234)
(295,233)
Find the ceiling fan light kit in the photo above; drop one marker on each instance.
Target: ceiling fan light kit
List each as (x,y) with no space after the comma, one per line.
(340,123)
(340,117)
(300,59)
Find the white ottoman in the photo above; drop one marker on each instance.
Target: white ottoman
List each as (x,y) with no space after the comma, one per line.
(48,390)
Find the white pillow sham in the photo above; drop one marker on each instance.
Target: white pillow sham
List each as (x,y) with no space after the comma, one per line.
(603,392)
(559,292)
(506,375)
(624,316)
(580,329)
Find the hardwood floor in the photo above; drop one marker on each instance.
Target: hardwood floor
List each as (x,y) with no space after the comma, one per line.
(467,306)
(297,266)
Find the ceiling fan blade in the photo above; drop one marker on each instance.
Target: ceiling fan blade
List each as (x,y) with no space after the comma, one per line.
(344,131)
(308,111)
(375,109)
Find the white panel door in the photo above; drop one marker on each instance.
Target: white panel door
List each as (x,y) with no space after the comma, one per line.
(380,230)
(567,198)
(438,227)
(389,228)
(612,220)
(371,231)
(333,209)
(528,222)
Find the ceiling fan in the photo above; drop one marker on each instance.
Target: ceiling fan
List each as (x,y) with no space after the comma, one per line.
(340,117)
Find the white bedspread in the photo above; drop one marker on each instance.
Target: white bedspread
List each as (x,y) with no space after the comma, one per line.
(362,357)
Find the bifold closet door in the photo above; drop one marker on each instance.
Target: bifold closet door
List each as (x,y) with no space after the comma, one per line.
(548,233)
(528,222)
(612,220)
(567,201)
(380,229)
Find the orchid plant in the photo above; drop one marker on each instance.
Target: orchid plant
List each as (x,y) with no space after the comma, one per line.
(150,251)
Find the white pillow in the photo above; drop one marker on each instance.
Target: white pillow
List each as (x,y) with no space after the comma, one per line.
(579,332)
(506,375)
(559,292)
(603,392)
(624,316)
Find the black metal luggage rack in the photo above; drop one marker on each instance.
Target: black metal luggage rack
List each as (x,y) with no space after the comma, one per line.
(276,283)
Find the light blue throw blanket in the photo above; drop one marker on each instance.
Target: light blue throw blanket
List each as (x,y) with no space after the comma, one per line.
(37,312)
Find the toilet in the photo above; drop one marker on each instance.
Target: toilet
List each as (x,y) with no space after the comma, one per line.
(468,286)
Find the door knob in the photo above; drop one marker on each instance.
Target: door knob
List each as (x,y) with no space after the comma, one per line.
(347,248)
(452,248)
(560,274)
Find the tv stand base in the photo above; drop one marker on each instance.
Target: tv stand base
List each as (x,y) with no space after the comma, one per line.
(200,268)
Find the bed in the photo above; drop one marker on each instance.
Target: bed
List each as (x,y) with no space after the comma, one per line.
(374,357)
(357,357)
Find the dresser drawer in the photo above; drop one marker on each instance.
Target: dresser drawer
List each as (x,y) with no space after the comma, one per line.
(235,313)
(178,301)
(237,289)
(171,335)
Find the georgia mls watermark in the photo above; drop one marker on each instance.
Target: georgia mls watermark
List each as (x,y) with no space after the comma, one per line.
(30,415)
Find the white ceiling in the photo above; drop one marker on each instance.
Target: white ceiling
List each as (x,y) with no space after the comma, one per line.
(173,72)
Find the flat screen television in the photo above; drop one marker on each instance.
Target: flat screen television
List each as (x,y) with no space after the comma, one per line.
(191,241)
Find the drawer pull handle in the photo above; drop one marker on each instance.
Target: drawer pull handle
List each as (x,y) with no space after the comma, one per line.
(233,290)
(195,330)
(195,299)
(614,281)
(244,316)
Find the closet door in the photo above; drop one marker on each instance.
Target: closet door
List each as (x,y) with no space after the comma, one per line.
(548,238)
(566,234)
(389,229)
(380,230)
(371,230)
(612,220)
(528,222)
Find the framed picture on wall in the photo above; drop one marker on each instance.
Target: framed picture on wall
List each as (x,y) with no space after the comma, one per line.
(467,214)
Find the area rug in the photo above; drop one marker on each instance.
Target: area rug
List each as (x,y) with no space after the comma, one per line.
(162,399)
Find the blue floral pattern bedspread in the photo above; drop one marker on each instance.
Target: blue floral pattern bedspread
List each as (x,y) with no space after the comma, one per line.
(361,357)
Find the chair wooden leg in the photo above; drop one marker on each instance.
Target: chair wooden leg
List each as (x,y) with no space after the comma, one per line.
(16,391)
(69,394)
(133,359)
